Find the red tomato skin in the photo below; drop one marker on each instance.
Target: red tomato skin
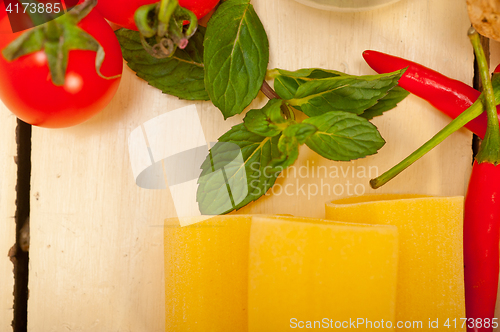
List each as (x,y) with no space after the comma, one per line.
(27,90)
(3,12)
(122,12)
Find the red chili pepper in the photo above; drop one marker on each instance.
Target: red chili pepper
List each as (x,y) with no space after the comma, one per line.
(481,240)
(450,96)
(482,202)
(482,214)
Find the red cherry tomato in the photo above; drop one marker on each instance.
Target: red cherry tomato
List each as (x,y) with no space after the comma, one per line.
(27,90)
(122,12)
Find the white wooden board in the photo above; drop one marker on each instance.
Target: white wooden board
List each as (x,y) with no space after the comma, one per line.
(8,171)
(96,259)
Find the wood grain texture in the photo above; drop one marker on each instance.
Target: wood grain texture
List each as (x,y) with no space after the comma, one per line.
(8,170)
(96,254)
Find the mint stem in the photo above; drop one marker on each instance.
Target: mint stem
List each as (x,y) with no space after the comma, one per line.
(268,91)
(271,94)
(490,147)
(469,114)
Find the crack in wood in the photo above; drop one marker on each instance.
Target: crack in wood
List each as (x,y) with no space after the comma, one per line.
(19,252)
(476,83)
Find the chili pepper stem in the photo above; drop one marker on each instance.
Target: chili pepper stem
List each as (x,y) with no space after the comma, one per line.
(490,147)
(482,212)
(469,114)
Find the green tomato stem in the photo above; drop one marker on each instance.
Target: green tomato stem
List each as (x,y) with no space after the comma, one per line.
(167,9)
(167,27)
(141,18)
(191,17)
(56,38)
(490,147)
(52,30)
(36,18)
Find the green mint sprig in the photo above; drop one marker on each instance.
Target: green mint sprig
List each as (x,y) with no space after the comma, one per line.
(228,65)
(347,93)
(316,91)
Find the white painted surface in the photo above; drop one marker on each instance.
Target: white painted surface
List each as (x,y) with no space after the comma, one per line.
(96,259)
(8,171)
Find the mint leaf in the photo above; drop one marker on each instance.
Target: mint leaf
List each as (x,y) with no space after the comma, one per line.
(289,149)
(265,121)
(343,136)
(257,151)
(236,55)
(181,75)
(301,131)
(347,93)
(306,74)
(224,180)
(388,102)
(287,82)
(288,144)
